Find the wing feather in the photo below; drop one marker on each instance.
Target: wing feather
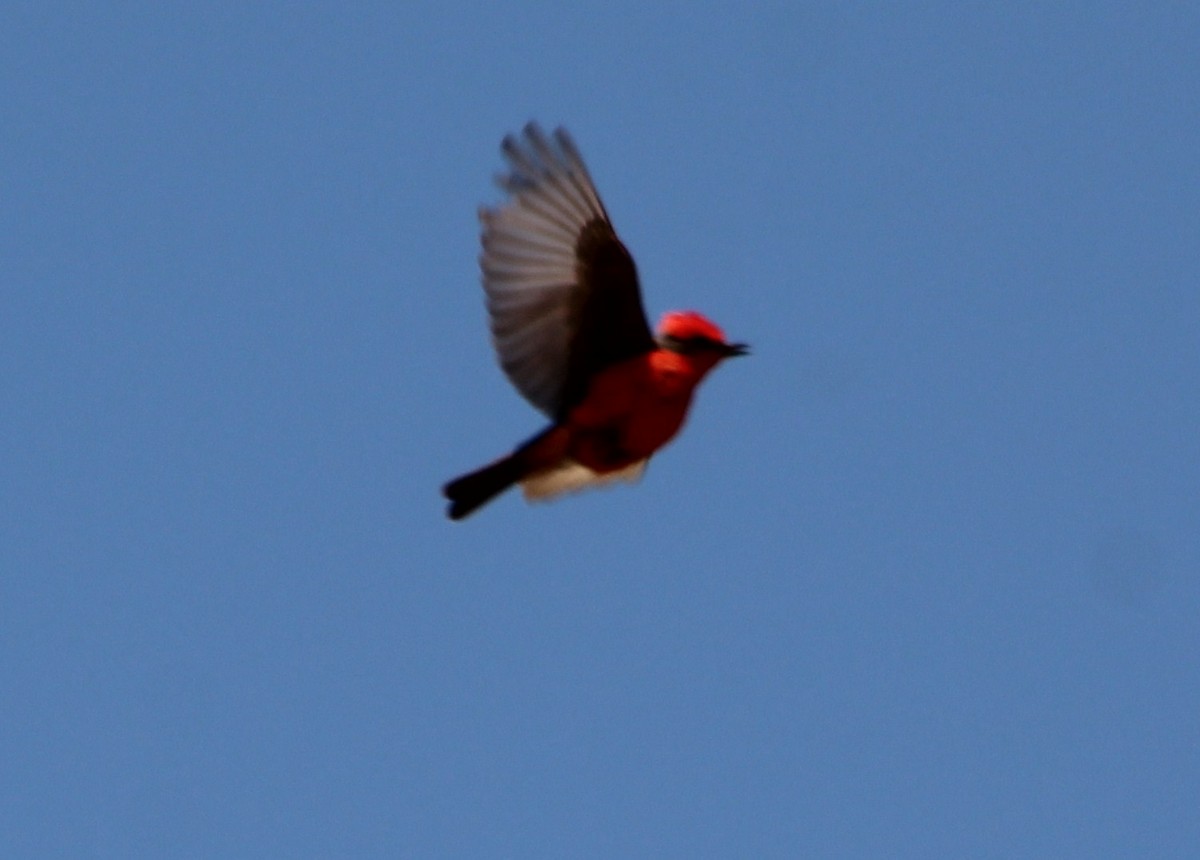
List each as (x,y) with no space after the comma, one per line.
(562,291)
(515,305)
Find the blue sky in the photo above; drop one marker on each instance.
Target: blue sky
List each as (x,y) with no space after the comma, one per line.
(918,579)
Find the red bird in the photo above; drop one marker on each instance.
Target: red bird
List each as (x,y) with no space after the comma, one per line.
(570,332)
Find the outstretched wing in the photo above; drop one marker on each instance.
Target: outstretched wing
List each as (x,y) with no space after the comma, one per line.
(562,291)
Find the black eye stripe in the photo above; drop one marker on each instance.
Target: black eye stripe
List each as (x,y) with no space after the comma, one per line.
(696,343)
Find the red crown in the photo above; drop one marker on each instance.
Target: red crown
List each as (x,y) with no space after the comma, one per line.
(688,324)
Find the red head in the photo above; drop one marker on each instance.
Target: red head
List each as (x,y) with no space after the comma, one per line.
(690,333)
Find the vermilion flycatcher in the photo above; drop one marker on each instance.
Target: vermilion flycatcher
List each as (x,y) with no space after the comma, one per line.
(570,332)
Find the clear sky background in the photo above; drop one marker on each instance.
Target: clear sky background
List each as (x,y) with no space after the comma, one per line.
(919,579)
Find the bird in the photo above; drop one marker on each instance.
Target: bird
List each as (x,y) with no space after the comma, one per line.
(570,332)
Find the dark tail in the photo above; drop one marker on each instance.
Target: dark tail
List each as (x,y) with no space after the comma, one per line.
(475,489)
(467,493)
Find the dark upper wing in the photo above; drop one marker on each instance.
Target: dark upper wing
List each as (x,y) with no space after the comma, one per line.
(562,291)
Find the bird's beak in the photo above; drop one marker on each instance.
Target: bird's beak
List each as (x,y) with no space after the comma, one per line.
(735,349)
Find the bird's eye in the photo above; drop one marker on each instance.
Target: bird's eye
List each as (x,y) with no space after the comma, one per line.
(688,345)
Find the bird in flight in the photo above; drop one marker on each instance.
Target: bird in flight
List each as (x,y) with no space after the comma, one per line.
(570,333)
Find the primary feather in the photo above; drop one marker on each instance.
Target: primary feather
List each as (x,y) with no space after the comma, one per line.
(562,291)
